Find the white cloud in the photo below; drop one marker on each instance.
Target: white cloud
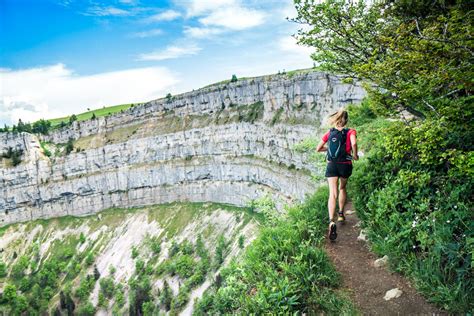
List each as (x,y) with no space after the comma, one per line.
(289,44)
(170,52)
(199,7)
(129,2)
(55,91)
(219,16)
(168,15)
(106,11)
(201,32)
(148,33)
(234,18)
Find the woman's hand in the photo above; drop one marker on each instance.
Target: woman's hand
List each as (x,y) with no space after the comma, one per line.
(321,147)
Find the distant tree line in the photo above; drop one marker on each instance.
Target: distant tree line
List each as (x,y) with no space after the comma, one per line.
(39,127)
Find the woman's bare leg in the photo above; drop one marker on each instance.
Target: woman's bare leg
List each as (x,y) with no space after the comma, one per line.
(342,193)
(332,181)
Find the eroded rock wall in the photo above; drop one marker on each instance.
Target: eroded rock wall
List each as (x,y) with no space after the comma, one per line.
(225,143)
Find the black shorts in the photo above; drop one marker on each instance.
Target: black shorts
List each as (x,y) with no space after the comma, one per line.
(342,170)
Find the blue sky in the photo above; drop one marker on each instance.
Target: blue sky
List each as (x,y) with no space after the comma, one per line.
(59,57)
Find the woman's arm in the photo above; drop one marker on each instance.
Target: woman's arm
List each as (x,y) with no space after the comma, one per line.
(355,156)
(321,147)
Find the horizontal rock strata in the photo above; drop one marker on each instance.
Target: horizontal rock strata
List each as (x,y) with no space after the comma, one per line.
(224,143)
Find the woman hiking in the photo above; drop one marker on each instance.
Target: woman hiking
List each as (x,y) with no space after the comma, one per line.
(341,149)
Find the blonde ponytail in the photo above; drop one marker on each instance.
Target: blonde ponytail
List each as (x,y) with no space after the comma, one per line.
(339,118)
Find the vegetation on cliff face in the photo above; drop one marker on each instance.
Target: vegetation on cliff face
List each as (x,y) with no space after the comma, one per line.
(414,189)
(138,261)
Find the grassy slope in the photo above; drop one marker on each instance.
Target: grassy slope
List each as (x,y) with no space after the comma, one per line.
(98,112)
(284,271)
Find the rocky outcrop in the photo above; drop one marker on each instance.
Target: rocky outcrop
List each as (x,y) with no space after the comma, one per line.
(224,143)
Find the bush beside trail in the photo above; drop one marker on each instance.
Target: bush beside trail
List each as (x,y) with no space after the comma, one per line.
(416,210)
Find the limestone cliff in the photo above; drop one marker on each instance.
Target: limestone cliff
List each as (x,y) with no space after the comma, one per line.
(228,142)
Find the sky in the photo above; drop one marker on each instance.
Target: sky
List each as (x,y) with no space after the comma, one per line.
(60,57)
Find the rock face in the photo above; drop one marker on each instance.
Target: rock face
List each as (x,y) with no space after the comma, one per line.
(223,143)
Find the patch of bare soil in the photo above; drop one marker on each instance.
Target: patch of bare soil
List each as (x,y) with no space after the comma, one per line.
(366,284)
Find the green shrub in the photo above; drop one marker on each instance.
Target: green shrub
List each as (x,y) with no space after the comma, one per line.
(46,151)
(3,269)
(72,118)
(82,238)
(134,252)
(408,193)
(184,266)
(361,114)
(41,127)
(221,250)
(69,146)
(186,247)
(90,259)
(119,295)
(140,293)
(86,309)
(107,286)
(85,287)
(252,112)
(284,270)
(181,299)
(18,269)
(241,241)
(174,249)
(155,245)
(276,116)
(166,296)
(14,154)
(200,248)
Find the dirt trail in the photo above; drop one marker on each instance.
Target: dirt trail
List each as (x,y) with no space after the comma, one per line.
(367,284)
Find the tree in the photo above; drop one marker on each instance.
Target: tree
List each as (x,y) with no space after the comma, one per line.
(166,296)
(3,269)
(69,146)
(96,273)
(413,56)
(9,293)
(41,127)
(234,78)
(86,309)
(93,116)
(72,118)
(169,98)
(390,43)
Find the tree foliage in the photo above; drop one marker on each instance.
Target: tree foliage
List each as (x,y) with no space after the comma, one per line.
(417,53)
(414,189)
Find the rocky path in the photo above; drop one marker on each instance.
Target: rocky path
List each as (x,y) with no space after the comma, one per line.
(366,284)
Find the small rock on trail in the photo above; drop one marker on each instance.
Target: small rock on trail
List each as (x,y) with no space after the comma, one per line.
(381,262)
(393,293)
(362,236)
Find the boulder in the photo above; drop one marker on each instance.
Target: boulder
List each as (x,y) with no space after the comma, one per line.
(381,262)
(362,236)
(393,293)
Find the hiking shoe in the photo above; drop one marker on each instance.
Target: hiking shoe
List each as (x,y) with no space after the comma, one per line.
(332,234)
(341,218)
